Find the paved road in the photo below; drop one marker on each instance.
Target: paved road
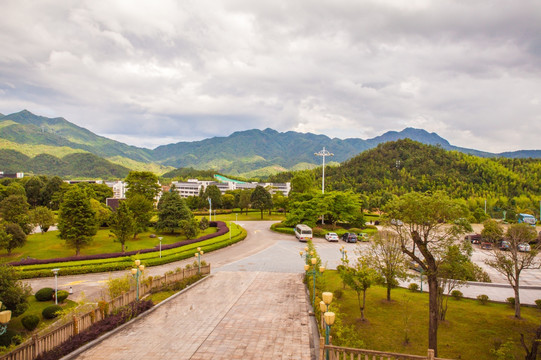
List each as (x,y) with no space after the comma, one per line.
(231,315)
(264,250)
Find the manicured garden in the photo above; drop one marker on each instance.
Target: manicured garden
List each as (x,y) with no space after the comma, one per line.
(471,330)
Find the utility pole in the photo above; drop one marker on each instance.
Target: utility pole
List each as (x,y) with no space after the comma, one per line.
(323,153)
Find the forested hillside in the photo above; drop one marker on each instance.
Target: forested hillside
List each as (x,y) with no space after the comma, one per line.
(398,167)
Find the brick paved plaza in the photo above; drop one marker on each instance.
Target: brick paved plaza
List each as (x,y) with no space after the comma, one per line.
(231,315)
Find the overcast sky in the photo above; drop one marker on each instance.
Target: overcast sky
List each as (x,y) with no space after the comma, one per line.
(156,72)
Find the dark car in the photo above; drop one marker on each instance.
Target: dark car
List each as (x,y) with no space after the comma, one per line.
(350,237)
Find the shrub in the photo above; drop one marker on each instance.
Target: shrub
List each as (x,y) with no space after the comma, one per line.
(483,299)
(204,223)
(457,294)
(50,312)
(30,322)
(62,295)
(413,287)
(538,303)
(338,293)
(44,294)
(7,337)
(511,301)
(318,232)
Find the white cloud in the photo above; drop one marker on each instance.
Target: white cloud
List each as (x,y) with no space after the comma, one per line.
(165,71)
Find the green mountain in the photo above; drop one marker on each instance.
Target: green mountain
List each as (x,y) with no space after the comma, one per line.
(78,165)
(405,165)
(247,153)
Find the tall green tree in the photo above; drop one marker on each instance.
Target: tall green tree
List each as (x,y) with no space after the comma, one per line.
(261,199)
(16,238)
(142,210)
(13,293)
(43,217)
(303,182)
(33,189)
(214,194)
(492,231)
(51,187)
(122,224)
(430,223)
(77,222)
(512,262)
(15,209)
(244,200)
(144,183)
(172,210)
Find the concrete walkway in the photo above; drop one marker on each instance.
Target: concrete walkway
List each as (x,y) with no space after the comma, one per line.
(231,315)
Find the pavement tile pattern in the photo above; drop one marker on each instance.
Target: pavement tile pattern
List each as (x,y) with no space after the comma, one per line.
(232,315)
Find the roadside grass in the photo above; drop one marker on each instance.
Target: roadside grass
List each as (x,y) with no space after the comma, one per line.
(49,245)
(161,296)
(35,308)
(470,330)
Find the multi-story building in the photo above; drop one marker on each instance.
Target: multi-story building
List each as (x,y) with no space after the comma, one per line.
(193,187)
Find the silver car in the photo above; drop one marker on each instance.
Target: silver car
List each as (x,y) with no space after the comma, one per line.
(331,236)
(524,247)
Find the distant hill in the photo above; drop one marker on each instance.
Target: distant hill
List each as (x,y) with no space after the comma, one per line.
(243,153)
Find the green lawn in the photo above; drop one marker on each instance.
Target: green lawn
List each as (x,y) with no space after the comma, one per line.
(49,245)
(470,331)
(35,308)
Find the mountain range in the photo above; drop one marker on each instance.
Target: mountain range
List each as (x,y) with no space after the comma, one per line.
(247,153)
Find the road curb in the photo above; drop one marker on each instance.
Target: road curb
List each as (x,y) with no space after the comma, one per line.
(105,336)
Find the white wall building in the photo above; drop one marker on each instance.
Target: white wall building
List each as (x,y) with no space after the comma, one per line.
(193,187)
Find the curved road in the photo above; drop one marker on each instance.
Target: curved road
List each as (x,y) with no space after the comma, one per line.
(267,251)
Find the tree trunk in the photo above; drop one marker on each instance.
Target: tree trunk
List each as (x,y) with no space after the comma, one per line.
(364,304)
(433,312)
(77,251)
(517,301)
(531,354)
(123,248)
(261,214)
(388,291)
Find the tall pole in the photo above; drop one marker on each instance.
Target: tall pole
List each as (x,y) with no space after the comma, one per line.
(160,246)
(56,288)
(210,209)
(323,153)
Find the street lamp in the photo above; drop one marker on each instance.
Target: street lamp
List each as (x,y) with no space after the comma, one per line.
(323,153)
(136,272)
(198,255)
(5,317)
(55,272)
(160,246)
(314,272)
(236,217)
(210,209)
(305,254)
(329,321)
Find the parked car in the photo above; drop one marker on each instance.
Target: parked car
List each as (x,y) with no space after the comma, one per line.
(396,222)
(331,236)
(504,245)
(350,237)
(474,238)
(362,236)
(524,247)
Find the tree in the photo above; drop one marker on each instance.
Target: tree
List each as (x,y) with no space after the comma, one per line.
(122,223)
(280,201)
(172,209)
(303,182)
(510,263)
(5,238)
(51,187)
(386,257)
(77,220)
(16,237)
(359,279)
(102,212)
(215,196)
(43,217)
(429,225)
(13,292)
(33,189)
(228,201)
(142,210)
(261,199)
(244,200)
(14,209)
(492,231)
(190,228)
(144,183)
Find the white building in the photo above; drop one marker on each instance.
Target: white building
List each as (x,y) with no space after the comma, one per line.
(193,187)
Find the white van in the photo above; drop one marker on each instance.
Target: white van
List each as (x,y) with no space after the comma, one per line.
(303,232)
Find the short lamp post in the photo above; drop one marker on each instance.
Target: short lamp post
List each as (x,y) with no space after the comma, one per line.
(198,255)
(315,273)
(55,272)
(160,238)
(344,253)
(306,255)
(324,306)
(329,321)
(5,317)
(136,272)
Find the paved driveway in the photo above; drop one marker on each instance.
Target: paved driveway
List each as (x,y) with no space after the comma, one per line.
(231,315)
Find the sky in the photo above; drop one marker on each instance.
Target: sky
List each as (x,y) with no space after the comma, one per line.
(149,73)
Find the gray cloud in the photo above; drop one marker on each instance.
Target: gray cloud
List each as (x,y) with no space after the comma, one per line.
(150,73)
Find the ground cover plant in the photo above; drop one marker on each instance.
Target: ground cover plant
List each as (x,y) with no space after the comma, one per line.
(471,330)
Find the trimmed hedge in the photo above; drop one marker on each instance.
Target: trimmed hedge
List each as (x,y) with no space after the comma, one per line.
(44,294)
(127,262)
(50,312)
(62,295)
(30,322)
